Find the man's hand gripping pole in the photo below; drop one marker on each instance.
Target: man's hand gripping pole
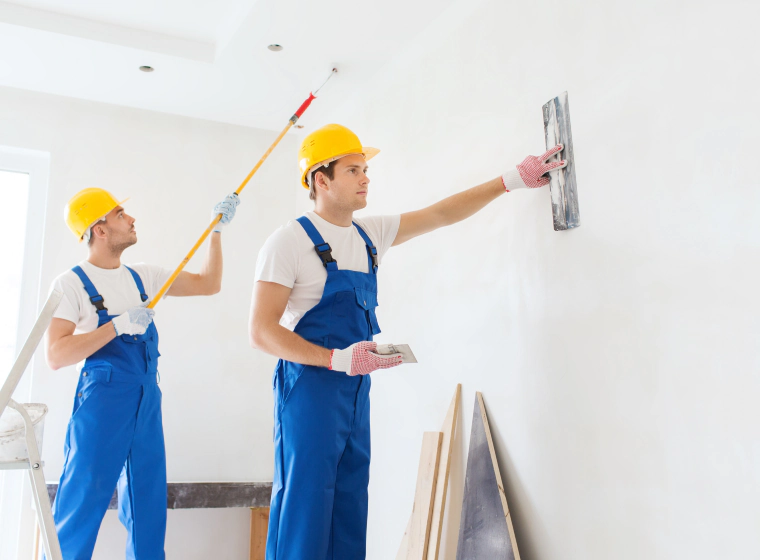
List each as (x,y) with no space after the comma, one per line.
(293,120)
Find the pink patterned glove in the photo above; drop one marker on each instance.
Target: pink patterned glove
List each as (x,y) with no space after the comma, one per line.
(358,359)
(531,172)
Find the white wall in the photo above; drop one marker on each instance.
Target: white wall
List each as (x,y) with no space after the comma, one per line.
(619,362)
(217,391)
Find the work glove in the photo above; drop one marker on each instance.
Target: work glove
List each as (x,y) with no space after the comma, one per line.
(360,359)
(531,172)
(134,320)
(226,208)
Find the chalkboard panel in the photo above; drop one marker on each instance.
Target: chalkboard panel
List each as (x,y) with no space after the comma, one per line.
(485,530)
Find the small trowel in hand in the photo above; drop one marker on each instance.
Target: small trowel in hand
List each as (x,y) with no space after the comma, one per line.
(407,356)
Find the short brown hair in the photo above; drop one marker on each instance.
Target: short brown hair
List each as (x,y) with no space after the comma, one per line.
(328,170)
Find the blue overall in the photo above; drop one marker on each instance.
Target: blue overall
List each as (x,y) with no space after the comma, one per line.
(321,432)
(115,437)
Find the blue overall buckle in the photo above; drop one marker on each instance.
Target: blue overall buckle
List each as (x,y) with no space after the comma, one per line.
(97,301)
(325,253)
(373,254)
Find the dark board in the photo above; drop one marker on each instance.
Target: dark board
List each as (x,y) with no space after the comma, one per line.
(483,531)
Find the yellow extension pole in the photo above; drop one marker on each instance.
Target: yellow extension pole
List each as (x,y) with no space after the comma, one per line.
(215,221)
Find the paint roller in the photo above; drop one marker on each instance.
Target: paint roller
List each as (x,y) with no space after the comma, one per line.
(293,120)
(564,192)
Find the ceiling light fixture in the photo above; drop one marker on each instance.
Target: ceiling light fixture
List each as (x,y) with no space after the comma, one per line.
(274,47)
(146,68)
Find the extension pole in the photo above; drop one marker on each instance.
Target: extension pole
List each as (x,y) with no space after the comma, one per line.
(293,120)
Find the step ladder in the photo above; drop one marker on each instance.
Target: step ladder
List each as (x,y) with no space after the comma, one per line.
(29,458)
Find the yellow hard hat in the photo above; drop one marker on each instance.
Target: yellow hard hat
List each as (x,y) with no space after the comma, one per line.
(327,144)
(87,207)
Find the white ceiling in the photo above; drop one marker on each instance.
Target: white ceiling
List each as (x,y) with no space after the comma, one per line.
(210,56)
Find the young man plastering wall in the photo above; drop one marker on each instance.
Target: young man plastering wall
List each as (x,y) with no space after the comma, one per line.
(314,303)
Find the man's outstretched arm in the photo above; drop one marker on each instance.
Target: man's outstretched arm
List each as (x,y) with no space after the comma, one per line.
(530,173)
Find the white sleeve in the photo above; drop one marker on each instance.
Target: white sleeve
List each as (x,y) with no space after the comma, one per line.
(153,277)
(382,230)
(278,259)
(68,309)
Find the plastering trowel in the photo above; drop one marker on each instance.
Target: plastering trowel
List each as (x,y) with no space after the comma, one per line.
(406,353)
(564,192)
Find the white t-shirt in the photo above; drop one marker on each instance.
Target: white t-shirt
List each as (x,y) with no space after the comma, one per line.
(116,285)
(288,257)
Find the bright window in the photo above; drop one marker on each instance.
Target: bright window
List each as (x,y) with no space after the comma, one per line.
(23,187)
(14,190)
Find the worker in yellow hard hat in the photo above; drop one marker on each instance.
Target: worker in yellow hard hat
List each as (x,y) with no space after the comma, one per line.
(115,435)
(317,313)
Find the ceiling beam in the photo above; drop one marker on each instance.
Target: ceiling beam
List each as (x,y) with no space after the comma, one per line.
(82,28)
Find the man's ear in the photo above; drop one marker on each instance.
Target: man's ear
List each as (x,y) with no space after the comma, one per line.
(320,181)
(99,230)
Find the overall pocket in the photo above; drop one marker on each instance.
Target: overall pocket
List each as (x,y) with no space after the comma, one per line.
(91,378)
(148,345)
(290,374)
(367,300)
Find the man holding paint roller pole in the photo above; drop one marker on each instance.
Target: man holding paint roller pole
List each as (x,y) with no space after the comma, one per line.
(115,435)
(314,304)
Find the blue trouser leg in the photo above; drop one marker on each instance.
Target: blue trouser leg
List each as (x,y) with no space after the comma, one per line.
(97,444)
(315,427)
(142,484)
(349,520)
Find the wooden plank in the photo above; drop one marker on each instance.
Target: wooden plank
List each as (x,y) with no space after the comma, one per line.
(259,526)
(37,539)
(441,487)
(404,548)
(486,529)
(424,495)
(448,429)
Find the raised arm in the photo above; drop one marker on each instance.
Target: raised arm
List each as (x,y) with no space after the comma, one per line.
(208,281)
(530,173)
(448,211)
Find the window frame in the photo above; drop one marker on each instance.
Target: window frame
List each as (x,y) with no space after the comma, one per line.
(17,518)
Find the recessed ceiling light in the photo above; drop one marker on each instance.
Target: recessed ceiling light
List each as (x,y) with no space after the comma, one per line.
(275,47)
(146,68)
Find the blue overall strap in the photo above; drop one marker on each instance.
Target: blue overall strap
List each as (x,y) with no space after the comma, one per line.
(138,281)
(323,249)
(371,251)
(95,298)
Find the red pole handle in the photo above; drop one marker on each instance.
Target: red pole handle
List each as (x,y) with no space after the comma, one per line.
(302,108)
